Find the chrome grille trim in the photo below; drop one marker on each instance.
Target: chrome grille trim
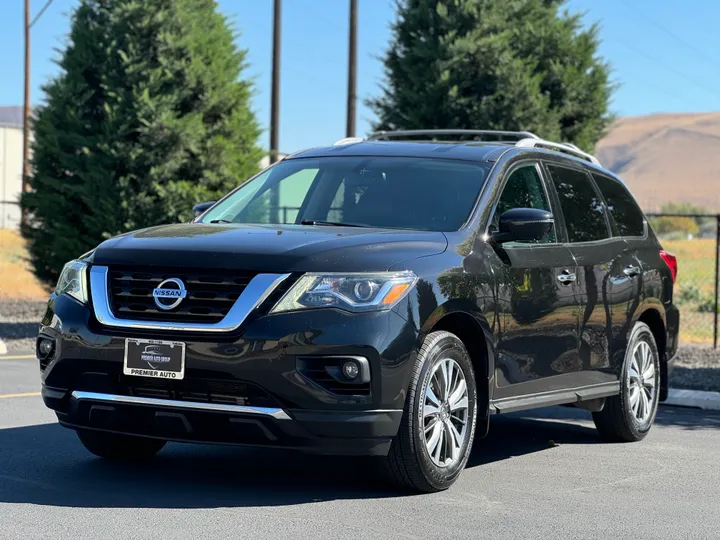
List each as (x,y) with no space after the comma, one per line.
(255,293)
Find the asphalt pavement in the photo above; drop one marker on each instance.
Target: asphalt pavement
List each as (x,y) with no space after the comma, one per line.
(539,475)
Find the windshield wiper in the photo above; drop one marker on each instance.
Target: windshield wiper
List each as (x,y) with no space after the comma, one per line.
(324,223)
(220,221)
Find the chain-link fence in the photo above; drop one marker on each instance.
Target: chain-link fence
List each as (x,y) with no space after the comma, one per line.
(695,240)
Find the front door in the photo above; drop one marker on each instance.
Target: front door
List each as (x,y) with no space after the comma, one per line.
(537,300)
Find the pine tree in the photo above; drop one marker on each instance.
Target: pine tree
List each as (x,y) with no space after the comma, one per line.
(148,116)
(495,64)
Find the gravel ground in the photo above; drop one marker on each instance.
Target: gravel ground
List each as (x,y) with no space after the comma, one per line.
(696,368)
(19,321)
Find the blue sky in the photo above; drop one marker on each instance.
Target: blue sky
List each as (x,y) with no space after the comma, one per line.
(664,57)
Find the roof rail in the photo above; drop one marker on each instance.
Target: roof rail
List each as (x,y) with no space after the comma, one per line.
(566,148)
(521,139)
(477,133)
(348,140)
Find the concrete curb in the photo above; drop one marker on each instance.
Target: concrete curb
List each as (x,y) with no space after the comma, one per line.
(693,398)
(3,347)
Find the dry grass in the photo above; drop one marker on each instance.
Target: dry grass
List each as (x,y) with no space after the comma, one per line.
(18,281)
(696,269)
(696,262)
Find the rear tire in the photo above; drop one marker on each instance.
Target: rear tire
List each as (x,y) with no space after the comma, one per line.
(117,447)
(629,416)
(438,425)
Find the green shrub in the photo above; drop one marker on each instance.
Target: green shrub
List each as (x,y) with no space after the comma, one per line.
(707,306)
(148,116)
(688,294)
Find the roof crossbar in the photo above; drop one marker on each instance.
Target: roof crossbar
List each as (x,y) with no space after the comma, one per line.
(478,134)
(565,148)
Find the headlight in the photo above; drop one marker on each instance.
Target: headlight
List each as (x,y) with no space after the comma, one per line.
(73,281)
(352,292)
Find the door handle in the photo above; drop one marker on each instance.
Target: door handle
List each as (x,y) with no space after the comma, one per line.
(631,271)
(566,277)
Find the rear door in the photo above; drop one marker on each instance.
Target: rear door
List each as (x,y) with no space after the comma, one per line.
(626,285)
(600,260)
(538,305)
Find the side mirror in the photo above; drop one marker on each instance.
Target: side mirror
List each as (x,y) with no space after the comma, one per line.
(524,225)
(201,207)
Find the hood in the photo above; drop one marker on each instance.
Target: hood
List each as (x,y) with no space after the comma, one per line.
(269,248)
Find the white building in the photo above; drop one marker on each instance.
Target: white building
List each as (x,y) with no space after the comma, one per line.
(11,146)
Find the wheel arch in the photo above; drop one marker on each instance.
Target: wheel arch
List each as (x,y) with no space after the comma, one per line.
(656,323)
(473,330)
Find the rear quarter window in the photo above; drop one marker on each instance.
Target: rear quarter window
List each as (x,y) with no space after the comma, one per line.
(621,207)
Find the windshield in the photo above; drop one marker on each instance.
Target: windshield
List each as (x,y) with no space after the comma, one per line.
(384,192)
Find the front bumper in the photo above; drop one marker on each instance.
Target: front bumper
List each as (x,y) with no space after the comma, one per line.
(84,384)
(366,432)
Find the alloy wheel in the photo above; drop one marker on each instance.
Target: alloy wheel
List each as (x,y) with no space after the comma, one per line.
(445,413)
(642,382)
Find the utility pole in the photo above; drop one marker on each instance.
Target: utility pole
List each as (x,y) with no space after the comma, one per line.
(275,99)
(275,110)
(26,105)
(352,71)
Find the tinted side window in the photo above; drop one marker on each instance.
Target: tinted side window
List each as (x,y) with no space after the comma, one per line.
(621,206)
(523,189)
(583,210)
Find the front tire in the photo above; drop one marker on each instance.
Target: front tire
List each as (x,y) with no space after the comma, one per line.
(629,416)
(438,426)
(117,447)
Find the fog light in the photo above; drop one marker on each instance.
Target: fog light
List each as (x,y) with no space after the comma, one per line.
(350,370)
(45,347)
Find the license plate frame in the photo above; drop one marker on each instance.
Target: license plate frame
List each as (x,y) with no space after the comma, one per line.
(154,358)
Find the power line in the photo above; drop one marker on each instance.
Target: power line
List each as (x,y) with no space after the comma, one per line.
(662,64)
(42,10)
(657,88)
(673,35)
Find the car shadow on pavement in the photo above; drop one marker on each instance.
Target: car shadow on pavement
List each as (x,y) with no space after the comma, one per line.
(46,465)
(529,432)
(681,417)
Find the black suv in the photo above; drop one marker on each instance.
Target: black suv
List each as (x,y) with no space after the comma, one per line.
(381,297)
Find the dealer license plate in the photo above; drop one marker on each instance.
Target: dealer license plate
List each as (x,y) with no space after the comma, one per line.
(154,358)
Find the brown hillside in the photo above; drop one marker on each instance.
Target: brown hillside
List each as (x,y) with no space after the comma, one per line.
(667,157)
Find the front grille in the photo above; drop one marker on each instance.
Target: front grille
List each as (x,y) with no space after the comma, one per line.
(196,391)
(210,294)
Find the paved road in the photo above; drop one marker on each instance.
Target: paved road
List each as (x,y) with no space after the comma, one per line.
(518,485)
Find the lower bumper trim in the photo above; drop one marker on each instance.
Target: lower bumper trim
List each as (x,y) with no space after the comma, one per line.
(278,414)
